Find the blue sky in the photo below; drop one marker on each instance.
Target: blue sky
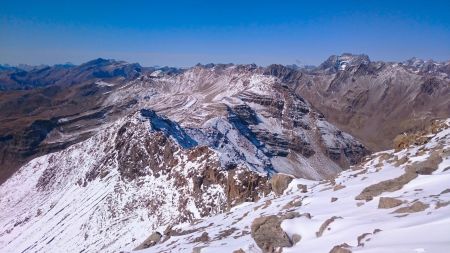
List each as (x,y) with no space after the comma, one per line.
(183,33)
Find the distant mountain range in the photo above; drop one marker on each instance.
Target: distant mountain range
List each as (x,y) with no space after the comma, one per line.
(22,76)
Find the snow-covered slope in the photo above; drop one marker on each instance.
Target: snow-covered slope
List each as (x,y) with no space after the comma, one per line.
(107,193)
(395,201)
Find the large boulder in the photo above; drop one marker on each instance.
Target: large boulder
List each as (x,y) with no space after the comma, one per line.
(268,234)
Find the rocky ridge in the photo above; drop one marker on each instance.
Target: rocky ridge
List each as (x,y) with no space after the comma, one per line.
(132,177)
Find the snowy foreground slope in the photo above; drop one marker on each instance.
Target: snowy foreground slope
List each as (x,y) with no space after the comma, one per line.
(395,201)
(109,192)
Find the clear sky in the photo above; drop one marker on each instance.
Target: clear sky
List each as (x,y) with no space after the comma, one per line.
(183,33)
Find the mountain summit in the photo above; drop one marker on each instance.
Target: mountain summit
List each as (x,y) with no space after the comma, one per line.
(342,62)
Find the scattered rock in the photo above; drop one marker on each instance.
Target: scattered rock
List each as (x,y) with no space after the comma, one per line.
(429,165)
(293,203)
(361,238)
(387,202)
(326,189)
(268,234)
(425,167)
(243,233)
(239,251)
(343,248)
(417,206)
(387,186)
(151,241)
(291,215)
(333,199)
(280,182)
(225,233)
(168,230)
(403,141)
(377,230)
(338,187)
(177,232)
(203,238)
(303,188)
(325,225)
(440,204)
(400,161)
(239,219)
(245,185)
(198,249)
(445,191)
(257,207)
(296,238)
(267,204)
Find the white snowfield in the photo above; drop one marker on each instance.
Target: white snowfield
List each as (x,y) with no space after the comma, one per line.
(379,230)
